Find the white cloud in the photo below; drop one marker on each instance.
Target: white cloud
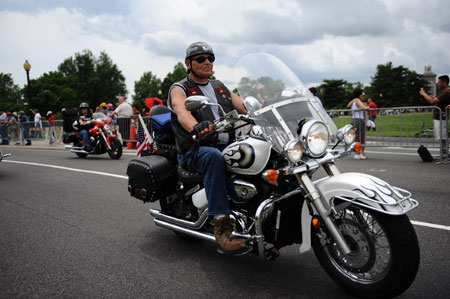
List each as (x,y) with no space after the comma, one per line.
(48,37)
(320,39)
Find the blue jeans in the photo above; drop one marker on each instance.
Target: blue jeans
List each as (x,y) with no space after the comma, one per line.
(26,133)
(4,133)
(211,165)
(85,135)
(38,132)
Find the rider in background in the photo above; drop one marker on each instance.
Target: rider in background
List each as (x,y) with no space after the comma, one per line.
(84,124)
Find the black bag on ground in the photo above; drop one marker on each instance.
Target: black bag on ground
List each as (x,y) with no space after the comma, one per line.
(151,178)
(425,154)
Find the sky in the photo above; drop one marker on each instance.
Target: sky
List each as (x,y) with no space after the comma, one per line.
(321,39)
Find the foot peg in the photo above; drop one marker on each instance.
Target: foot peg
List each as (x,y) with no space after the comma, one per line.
(243,251)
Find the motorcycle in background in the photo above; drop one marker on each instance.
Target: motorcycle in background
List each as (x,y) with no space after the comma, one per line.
(355,223)
(2,155)
(103,140)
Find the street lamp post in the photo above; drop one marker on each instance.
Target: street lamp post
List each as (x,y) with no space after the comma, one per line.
(27,67)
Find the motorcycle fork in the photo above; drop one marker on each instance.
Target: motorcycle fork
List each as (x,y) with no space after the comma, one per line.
(106,140)
(324,213)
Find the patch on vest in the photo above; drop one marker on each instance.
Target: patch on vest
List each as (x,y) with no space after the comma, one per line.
(222,91)
(193,91)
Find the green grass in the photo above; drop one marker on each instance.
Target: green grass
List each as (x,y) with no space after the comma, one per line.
(396,125)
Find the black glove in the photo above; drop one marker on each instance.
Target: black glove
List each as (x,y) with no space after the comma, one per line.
(200,127)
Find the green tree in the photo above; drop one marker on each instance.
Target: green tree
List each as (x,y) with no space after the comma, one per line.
(335,94)
(147,86)
(179,73)
(10,94)
(110,80)
(94,80)
(396,86)
(53,91)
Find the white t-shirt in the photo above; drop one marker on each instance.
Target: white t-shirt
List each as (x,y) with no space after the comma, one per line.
(357,112)
(124,110)
(37,118)
(208,91)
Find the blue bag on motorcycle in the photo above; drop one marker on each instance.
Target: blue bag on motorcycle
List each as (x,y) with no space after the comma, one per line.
(161,124)
(151,178)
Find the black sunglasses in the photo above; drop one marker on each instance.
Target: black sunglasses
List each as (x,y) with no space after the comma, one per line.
(201,59)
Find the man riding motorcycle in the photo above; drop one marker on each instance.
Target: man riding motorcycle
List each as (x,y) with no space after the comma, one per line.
(84,125)
(207,159)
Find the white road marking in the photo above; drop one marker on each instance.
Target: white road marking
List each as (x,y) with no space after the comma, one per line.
(69,168)
(418,223)
(438,226)
(392,153)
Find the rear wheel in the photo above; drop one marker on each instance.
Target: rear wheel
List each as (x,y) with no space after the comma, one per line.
(116,148)
(385,253)
(78,143)
(81,155)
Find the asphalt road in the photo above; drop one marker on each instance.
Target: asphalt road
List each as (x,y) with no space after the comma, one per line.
(67,234)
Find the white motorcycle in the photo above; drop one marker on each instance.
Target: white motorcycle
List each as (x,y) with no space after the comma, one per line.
(356,223)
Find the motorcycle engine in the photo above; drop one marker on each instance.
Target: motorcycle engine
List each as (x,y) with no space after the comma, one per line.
(245,191)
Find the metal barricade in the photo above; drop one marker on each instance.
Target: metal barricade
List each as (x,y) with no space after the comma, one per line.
(36,129)
(123,127)
(14,133)
(53,132)
(407,127)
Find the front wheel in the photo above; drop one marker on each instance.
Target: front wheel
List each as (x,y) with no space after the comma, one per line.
(116,148)
(385,253)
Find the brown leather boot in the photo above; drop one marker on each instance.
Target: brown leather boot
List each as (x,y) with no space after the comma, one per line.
(222,231)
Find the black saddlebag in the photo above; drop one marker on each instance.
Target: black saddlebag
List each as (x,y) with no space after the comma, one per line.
(151,178)
(69,137)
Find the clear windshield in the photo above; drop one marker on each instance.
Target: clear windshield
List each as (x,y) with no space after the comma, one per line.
(99,115)
(280,100)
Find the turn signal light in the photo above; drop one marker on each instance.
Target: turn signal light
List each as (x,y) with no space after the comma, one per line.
(272,175)
(316,222)
(357,147)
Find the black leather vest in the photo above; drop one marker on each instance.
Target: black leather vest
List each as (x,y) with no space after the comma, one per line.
(183,138)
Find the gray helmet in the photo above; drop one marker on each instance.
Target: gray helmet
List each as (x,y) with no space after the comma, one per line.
(198,48)
(84,105)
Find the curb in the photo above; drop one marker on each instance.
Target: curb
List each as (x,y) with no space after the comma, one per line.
(31,147)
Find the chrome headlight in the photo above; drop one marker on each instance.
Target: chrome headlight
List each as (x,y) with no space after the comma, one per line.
(315,136)
(347,133)
(293,151)
(107,127)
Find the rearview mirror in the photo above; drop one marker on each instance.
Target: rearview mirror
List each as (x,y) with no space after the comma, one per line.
(252,104)
(193,103)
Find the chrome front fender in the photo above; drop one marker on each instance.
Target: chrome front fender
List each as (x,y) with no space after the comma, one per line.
(366,191)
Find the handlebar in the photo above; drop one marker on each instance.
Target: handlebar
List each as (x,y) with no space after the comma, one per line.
(226,124)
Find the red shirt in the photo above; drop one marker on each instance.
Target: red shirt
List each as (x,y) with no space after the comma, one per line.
(373,106)
(51,119)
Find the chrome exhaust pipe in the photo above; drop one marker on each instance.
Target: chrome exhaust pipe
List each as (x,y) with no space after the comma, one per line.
(157,214)
(79,151)
(185,230)
(71,147)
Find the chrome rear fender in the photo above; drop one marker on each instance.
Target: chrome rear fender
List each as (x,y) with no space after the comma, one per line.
(366,191)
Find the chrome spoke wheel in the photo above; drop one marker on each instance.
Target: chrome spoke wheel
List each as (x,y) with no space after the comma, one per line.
(370,258)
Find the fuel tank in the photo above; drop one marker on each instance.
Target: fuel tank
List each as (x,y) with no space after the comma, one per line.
(247,156)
